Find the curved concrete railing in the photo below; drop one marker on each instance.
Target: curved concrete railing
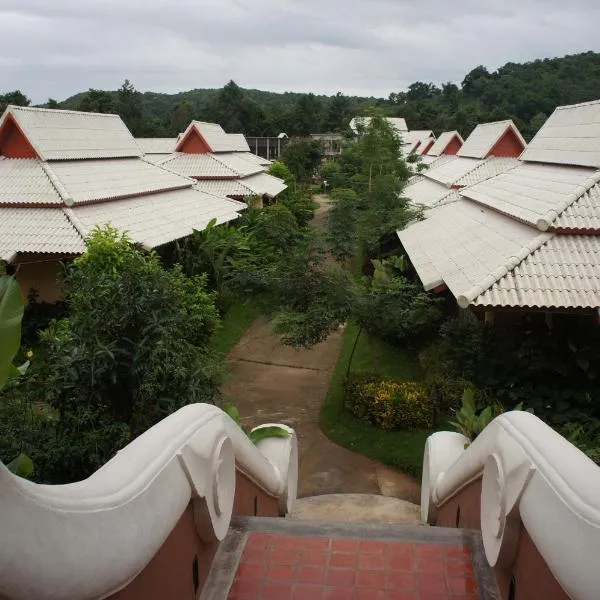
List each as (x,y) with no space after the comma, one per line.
(89,539)
(531,475)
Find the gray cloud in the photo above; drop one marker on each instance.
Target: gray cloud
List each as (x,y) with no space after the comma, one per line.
(366,47)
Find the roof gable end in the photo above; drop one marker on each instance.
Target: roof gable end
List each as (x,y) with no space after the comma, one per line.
(500,138)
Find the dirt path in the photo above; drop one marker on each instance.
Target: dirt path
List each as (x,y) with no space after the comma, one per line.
(270,382)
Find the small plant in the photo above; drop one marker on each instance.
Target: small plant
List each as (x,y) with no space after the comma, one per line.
(471,422)
(259,434)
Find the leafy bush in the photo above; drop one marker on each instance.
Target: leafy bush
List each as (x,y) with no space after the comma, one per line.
(387,404)
(341,224)
(133,348)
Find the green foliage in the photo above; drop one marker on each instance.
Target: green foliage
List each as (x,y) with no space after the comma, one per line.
(11,315)
(133,348)
(280,169)
(302,157)
(387,404)
(16,98)
(276,227)
(583,433)
(299,204)
(258,434)
(342,221)
(21,466)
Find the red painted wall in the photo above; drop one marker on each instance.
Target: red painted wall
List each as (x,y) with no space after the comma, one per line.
(426,147)
(453,147)
(13,143)
(194,144)
(508,145)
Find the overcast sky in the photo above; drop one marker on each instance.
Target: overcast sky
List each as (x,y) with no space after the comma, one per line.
(366,47)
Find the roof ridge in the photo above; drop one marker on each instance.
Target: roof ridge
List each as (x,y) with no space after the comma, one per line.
(489,280)
(57,183)
(160,166)
(59,110)
(588,103)
(74,221)
(544,223)
(221,161)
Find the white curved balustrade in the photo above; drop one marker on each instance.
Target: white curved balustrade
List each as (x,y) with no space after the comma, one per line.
(531,475)
(89,539)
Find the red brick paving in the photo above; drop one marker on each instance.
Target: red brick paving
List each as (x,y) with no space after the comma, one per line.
(286,567)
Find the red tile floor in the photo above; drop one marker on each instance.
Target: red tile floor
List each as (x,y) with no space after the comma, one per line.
(285,567)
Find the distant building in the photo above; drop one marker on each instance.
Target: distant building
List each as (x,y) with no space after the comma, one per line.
(268,147)
(332,143)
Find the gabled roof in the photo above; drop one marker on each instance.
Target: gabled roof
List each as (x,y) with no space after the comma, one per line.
(198,166)
(253,185)
(443,142)
(156,219)
(239,163)
(437,161)
(398,123)
(157,145)
(67,135)
(425,145)
(571,136)
(452,170)
(263,183)
(215,138)
(485,137)
(39,230)
(425,192)
(544,196)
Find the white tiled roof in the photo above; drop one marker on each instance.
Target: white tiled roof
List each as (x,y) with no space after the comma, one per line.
(44,230)
(562,273)
(157,145)
(425,192)
(452,170)
(494,165)
(219,141)
(424,145)
(65,134)
(239,163)
(442,142)
(398,123)
(93,180)
(571,136)
(537,194)
(263,183)
(484,137)
(467,247)
(157,219)
(437,161)
(198,165)
(254,158)
(157,159)
(25,181)
(224,187)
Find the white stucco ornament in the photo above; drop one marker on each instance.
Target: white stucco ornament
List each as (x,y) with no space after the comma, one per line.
(89,539)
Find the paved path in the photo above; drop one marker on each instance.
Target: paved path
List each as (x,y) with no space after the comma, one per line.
(270,382)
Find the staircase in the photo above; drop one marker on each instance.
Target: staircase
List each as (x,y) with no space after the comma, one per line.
(283,559)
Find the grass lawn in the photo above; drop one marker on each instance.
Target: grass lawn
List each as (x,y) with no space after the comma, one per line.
(400,449)
(233,325)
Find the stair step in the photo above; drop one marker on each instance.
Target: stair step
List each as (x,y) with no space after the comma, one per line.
(356,508)
(272,557)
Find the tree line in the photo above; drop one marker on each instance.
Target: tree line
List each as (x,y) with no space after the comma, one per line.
(526,93)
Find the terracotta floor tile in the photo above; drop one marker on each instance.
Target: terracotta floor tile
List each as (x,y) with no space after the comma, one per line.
(315,544)
(276,591)
(260,540)
(457,551)
(345,545)
(400,581)
(341,577)
(371,579)
(251,571)
(342,560)
(459,566)
(372,547)
(340,593)
(256,555)
(432,583)
(394,595)
(313,558)
(281,573)
(433,596)
(400,563)
(369,562)
(284,556)
(308,592)
(290,542)
(462,585)
(400,549)
(310,574)
(425,550)
(430,565)
(371,595)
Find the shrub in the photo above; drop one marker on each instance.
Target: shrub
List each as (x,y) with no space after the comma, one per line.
(388,404)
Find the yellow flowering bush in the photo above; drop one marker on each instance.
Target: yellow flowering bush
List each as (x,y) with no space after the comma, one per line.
(388,404)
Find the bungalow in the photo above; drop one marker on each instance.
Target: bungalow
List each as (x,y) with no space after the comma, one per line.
(62,173)
(492,148)
(525,239)
(448,144)
(221,163)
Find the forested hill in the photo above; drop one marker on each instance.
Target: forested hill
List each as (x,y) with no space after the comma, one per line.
(526,93)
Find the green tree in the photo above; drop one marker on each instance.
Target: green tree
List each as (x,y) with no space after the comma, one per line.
(129,107)
(98,101)
(302,157)
(52,103)
(181,117)
(337,114)
(133,348)
(306,115)
(16,98)
(536,123)
(342,223)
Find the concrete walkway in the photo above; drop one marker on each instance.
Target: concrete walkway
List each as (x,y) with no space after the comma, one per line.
(270,382)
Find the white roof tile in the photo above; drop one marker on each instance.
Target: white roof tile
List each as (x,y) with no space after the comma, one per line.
(452,170)
(94,180)
(562,273)
(254,158)
(263,183)
(571,136)
(239,163)
(537,194)
(224,187)
(198,166)
(484,137)
(442,142)
(490,167)
(425,192)
(216,137)
(25,181)
(157,145)
(44,230)
(398,123)
(467,247)
(65,134)
(157,219)
(157,159)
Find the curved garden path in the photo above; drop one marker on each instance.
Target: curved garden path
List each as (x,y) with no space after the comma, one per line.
(270,382)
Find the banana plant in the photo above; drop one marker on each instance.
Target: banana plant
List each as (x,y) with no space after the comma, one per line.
(11,315)
(255,435)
